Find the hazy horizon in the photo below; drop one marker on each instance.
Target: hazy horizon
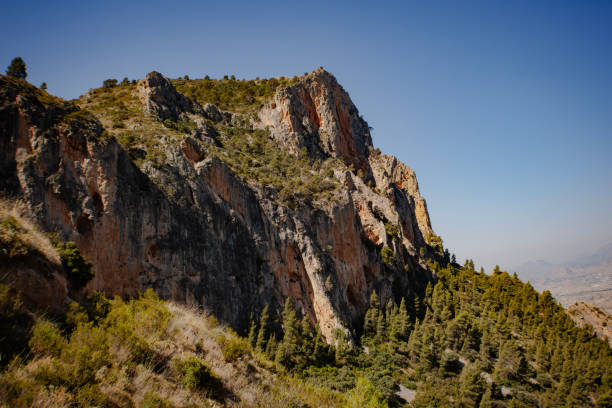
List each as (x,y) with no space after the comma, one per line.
(503,110)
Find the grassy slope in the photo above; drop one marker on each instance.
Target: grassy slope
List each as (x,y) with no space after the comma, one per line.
(146,352)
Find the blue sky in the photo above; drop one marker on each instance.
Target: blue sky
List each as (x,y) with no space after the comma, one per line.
(503,109)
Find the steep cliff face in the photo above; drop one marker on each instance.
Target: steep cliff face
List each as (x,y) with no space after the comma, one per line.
(195,231)
(317,114)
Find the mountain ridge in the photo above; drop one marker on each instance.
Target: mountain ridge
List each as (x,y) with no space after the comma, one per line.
(127,181)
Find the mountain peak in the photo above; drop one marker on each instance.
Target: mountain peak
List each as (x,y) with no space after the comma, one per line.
(318,115)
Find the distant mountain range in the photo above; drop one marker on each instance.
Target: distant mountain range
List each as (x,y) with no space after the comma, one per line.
(587,278)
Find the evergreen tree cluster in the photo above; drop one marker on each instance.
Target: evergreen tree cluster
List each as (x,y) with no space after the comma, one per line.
(493,341)
(472,340)
(298,345)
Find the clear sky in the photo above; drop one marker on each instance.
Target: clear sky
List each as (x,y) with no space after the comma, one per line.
(503,109)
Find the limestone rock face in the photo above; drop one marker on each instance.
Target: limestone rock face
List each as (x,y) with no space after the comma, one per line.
(390,173)
(162,100)
(318,114)
(197,233)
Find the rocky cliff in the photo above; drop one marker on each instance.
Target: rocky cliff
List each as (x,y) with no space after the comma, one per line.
(157,204)
(592,318)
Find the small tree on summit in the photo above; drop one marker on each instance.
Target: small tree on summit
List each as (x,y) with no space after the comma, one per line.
(17,68)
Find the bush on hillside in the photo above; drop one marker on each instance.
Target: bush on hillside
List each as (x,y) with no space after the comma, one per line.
(77,268)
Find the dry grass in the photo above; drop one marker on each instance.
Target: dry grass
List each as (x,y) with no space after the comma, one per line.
(195,332)
(28,233)
(245,380)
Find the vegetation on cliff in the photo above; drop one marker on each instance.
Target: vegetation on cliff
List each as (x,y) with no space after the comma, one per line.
(296,178)
(229,93)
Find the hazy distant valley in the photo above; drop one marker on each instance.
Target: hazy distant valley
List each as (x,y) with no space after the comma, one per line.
(587,278)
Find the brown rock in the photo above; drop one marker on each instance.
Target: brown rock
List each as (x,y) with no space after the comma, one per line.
(197,233)
(162,100)
(317,114)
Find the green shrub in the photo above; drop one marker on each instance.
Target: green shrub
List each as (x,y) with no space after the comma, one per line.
(46,339)
(118,124)
(365,395)
(234,347)
(152,400)
(109,83)
(392,230)
(387,255)
(196,375)
(86,352)
(137,324)
(170,124)
(77,268)
(186,126)
(90,395)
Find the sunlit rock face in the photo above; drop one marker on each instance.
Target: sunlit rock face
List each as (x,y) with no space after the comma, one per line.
(197,233)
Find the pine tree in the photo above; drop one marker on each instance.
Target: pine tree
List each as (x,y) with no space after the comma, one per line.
(318,348)
(391,321)
(17,68)
(403,320)
(541,356)
(271,346)
(472,386)
(288,350)
(260,345)
(252,337)
(381,327)
(371,317)
(341,346)
(306,337)
(428,291)
(556,362)
(416,307)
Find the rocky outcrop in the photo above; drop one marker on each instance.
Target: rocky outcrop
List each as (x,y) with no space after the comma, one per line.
(162,100)
(195,232)
(592,318)
(317,114)
(400,183)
